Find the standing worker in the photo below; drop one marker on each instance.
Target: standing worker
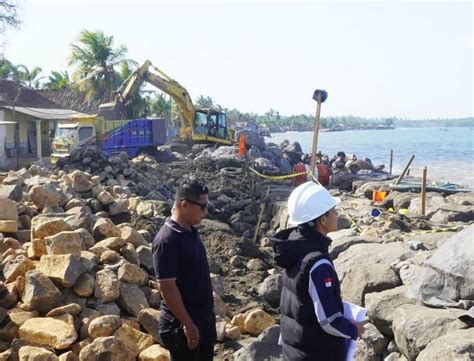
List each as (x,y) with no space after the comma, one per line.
(187,320)
(312,323)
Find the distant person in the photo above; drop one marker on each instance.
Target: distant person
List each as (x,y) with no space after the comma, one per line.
(312,323)
(187,320)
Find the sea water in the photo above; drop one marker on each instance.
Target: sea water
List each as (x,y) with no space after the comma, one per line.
(448,153)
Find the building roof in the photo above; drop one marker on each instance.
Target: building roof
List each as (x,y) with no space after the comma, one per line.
(12,93)
(46,113)
(75,100)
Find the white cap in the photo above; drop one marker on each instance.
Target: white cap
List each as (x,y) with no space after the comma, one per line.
(309,201)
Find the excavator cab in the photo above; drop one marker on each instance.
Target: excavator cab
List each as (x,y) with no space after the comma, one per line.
(210,126)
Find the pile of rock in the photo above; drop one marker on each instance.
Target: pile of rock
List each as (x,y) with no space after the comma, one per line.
(76,258)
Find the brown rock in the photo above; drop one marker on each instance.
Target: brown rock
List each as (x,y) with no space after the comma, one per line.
(154,353)
(68,356)
(37,248)
(64,268)
(84,285)
(149,318)
(105,198)
(107,286)
(109,257)
(72,309)
(89,261)
(134,340)
(131,273)
(8,243)
(9,226)
(104,326)
(81,182)
(132,298)
(130,254)
(64,243)
(40,292)
(57,332)
(132,236)
(32,353)
(84,319)
(239,321)
(42,227)
(257,321)
(17,267)
(106,348)
(8,295)
(113,243)
(104,228)
(18,316)
(8,210)
(232,332)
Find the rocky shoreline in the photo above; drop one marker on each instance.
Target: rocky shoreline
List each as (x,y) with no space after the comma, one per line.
(76,277)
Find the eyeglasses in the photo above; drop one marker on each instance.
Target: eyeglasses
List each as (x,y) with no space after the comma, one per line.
(203,206)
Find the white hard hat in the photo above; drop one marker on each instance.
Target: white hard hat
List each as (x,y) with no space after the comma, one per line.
(309,201)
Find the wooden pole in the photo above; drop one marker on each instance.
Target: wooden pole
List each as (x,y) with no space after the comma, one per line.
(423,192)
(391,160)
(312,165)
(257,228)
(405,170)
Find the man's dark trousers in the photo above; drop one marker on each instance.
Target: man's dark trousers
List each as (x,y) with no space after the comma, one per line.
(205,349)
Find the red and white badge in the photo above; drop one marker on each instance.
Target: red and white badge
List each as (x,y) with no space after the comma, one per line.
(328,282)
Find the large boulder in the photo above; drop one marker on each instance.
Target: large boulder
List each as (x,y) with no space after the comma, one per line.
(415,326)
(32,353)
(133,339)
(448,276)
(457,345)
(132,299)
(381,307)
(57,332)
(369,278)
(106,348)
(270,289)
(264,348)
(357,256)
(107,286)
(40,292)
(64,268)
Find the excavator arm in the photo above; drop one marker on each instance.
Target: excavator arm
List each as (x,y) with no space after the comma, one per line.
(217,131)
(116,109)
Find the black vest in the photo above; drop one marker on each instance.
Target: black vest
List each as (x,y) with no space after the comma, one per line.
(303,338)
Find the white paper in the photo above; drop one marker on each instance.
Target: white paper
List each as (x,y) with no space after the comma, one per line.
(354,313)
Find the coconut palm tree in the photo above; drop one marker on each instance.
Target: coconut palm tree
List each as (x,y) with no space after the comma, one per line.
(30,78)
(8,71)
(57,80)
(96,58)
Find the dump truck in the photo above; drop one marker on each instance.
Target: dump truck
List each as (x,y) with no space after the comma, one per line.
(111,136)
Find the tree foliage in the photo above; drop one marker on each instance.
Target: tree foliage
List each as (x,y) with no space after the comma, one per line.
(8,14)
(96,59)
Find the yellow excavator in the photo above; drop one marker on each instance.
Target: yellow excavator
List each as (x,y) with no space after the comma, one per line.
(197,125)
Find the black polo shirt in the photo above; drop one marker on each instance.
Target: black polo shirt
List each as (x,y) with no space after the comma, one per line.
(180,254)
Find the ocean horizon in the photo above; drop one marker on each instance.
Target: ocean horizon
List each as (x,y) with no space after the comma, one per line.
(448,153)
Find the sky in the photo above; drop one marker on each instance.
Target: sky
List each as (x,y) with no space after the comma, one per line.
(404,59)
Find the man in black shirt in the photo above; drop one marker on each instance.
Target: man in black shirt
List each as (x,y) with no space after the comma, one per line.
(187,320)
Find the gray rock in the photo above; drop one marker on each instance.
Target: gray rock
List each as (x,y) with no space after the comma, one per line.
(381,307)
(40,292)
(448,275)
(270,289)
(415,326)
(370,278)
(264,348)
(357,256)
(132,299)
(457,345)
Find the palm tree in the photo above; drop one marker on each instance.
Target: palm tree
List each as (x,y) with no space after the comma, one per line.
(57,80)
(96,58)
(30,78)
(8,71)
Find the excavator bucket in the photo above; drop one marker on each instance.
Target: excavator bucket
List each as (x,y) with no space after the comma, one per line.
(113,110)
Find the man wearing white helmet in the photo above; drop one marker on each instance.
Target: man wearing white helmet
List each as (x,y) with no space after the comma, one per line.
(312,323)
